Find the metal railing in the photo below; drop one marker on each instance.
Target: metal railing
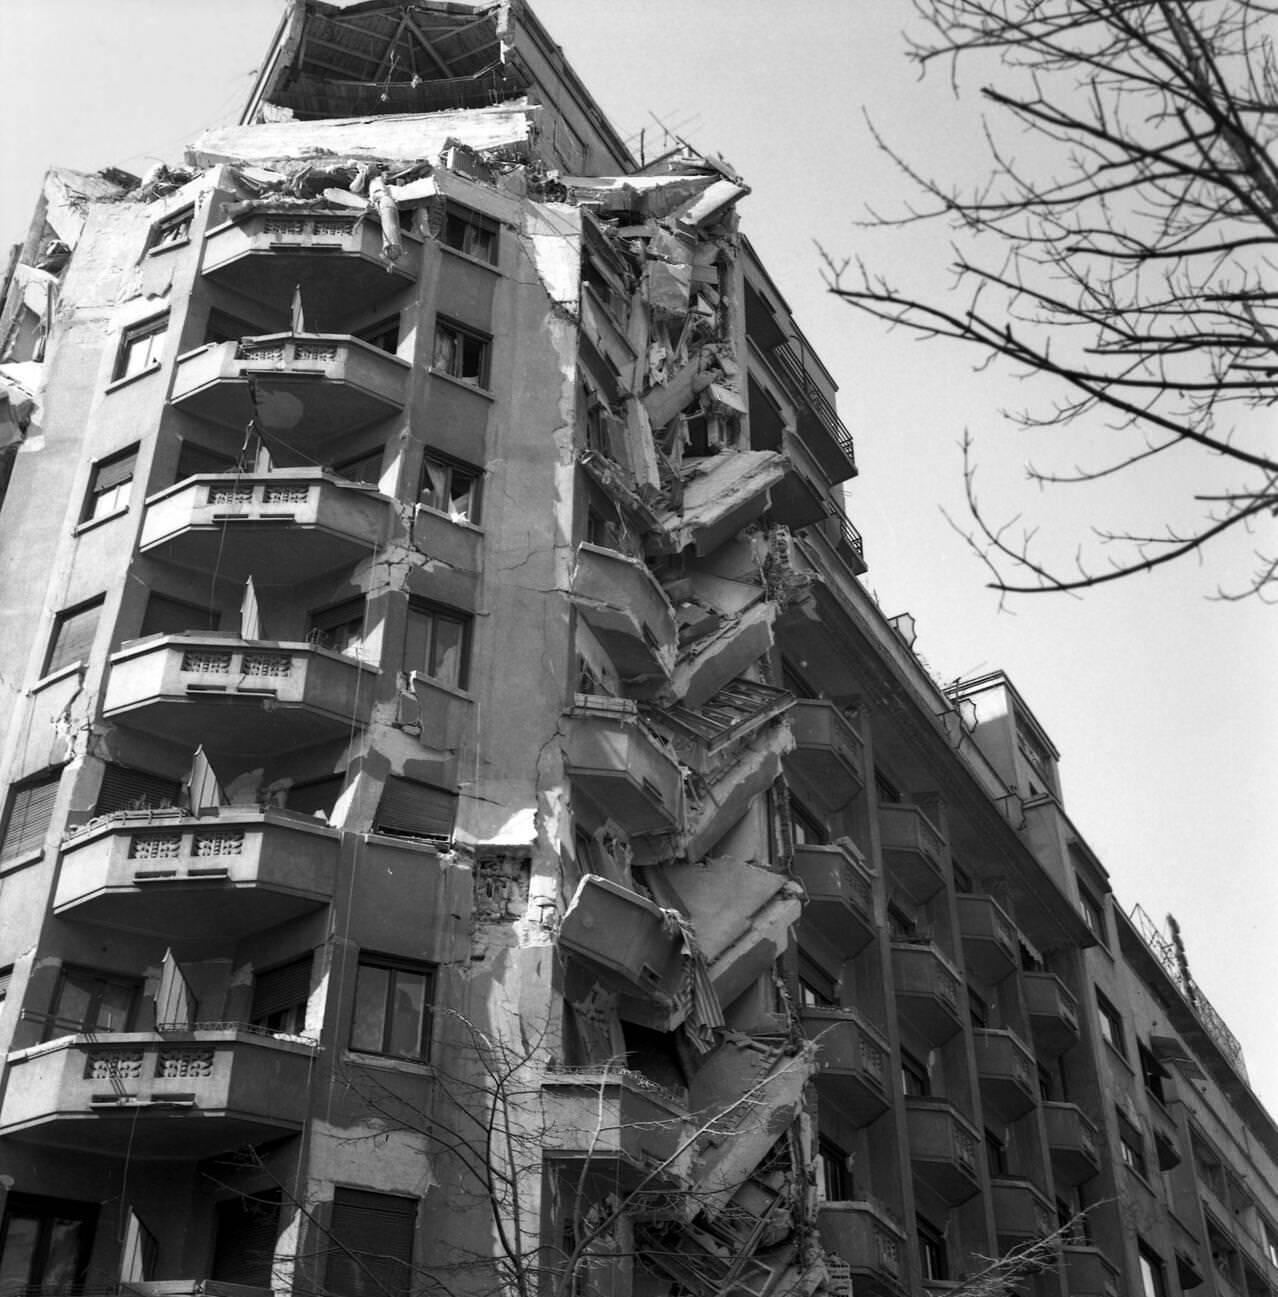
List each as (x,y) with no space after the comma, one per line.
(792,369)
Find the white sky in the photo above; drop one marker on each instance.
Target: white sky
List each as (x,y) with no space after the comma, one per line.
(1163,702)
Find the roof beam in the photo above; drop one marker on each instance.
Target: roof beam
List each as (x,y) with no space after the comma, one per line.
(429,48)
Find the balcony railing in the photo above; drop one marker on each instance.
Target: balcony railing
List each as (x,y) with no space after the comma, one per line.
(335,258)
(872,1246)
(927,990)
(851,1062)
(943,1148)
(990,945)
(131,1091)
(1072,1139)
(234,871)
(835,449)
(280,527)
(914,851)
(257,698)
(308,387)
(840,906)
(828,754)
(1021,1212)
(1053,1012)
(1005,1069)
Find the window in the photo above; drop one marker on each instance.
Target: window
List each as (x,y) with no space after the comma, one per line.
(366,468)
(280,996)
(372,1244)
(86,1000)
(978,1009)
(886,790)
(1093,914)
(340,628)
(29,814)
(835,1182)
(1132,1147)
(409,809)
(1152,1072)
(816,989)
(171,231)
(165,616)
(470,232)
(995,1153)
(437,643)
(109,485)
(45,1243)
(915,1077)
(1111,1025)
(6,980)
(196,459)
(451,488)
(384,334)
(932,1257)
(141,347)
(123,789)
(1271,1242)
(808,827)
(461,353)
(315,797)
(73,632)
(393,1002)
(223,327)
(244,1244)
(1153,1278)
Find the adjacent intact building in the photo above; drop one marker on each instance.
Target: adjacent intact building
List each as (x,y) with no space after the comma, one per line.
(466,828)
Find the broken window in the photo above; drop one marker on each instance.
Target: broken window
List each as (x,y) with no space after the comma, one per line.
(394,999)
(470,232)
(451,488)
(437,644)
(73,633)
(171,231)
(371,1244)
(29,814)
(87,1000)
(339,628)
(110,483)
(141,348)
(461,353)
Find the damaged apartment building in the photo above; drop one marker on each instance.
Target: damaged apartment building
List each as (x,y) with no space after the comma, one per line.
(466,827)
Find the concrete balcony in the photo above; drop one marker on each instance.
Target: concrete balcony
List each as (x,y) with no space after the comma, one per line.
(1022,1212)
(187,1288)
(990,947)
(927,991)
(872,1246)
(852,1062)
(626,937)
(236,872)
(1005,1069)
(621,766)
(625,606)
(1073,1142)
(823,432)
(840,905)
(943,1148)
(913,852)
(1053,1012)
(1088,1273)
(310,387)
(252,698)
(630,1131)
(335,258)
(828,753)
(726,796)
(208,1091)
(280,528)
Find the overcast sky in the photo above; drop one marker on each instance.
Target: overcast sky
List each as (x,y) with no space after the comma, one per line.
(1163,702)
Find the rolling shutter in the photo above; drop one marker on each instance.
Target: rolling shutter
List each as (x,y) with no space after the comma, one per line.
(123,789)
(378,1229)
(281,988)
(409,809)
(30,814)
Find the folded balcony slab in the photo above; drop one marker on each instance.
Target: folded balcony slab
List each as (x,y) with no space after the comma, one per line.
(709,663)
(721,494)
(280,528)
(233,871)
(623,603)
(209,1091)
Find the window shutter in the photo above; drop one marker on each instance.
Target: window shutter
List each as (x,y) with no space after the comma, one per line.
(378,1229)
(73,634)
(281,988)
(135,790)
(412,810)
(244,1248)
(193,459)
(114,471)
(30,814)
(166,616)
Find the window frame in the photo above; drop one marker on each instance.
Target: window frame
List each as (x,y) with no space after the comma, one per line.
(934,1261)
(394,964)
(1153,1271)
(323,623)
(89,1023)
(53,659)
(1093,912)
(451,469)
(93,509)
(29,845)
(434,614)
(1110,1021)
(470,222)
(131,337)
(160,238)
(834,1172)
(48,1209)
(350,1249)
(456,365)
(1131,1147)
